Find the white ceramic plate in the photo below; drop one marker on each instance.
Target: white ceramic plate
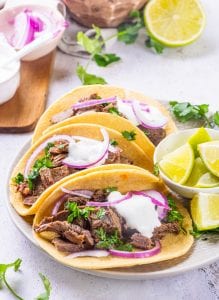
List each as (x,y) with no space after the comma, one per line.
(202,253)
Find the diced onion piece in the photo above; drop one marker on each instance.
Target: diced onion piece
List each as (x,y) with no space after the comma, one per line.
(137,254)
(149,117)
(93,102)
(81,193)
(41,147)
(93,253)
(74,163)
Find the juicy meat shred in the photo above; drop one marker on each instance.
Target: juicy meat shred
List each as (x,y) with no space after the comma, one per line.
(60,216)
(141,242)
(78,199)
(66,246)
(50,176)
(30,200)
(110,222)
(155,135)
(57,159)
(99,196)
(24,189)
(117,158)
(59,147)
(161,231)
(71,232)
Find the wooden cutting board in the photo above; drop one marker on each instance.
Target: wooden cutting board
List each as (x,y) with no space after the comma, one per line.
(20,114)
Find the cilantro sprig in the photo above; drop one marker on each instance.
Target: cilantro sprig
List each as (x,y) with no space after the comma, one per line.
(198,234)
(111,241)
(173,214)
(76,212)
(185,111)
(16,266)
(129,135)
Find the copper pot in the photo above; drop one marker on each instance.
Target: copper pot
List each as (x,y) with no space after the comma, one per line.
(103,13)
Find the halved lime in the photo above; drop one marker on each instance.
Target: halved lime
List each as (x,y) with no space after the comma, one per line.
(205,211)
(174,23)
(199,169)
(199,137)
(178,164)
(209,153)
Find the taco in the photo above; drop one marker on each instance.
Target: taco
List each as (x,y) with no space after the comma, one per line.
(68,151)
(112,218)
(116,108)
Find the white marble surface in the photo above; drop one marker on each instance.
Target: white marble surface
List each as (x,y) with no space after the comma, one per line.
(185,74)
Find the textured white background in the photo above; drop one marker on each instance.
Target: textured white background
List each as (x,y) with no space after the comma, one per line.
(183,74)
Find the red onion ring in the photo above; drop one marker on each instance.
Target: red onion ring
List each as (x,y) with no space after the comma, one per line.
(108,203)
(81,193)
(93,102)
(58,205)
(94,253)
(144,122)
(137,254)
(41,147)
(106,142)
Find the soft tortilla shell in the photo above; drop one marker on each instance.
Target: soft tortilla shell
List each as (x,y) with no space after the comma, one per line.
(130,150)
(103,91)
(126,180)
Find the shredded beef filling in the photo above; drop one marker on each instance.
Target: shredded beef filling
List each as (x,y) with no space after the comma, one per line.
(83,234)
(155,135)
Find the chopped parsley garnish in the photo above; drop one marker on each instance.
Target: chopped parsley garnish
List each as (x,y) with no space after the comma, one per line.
(110,189)
(19,178)
(87,78)
(198,234)
(156,170)
(113,142)
(174,215)
(100,213)
(111,241)
(75,212)
(152,43)
(50,145)
(105,59)
(129,135)
(47,286)
(114,111)
(3,269)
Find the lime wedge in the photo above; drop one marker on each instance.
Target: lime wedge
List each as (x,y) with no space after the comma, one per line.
(207,180)
(178,164)
(209,153)
(199,169)
(174,23)
(205,211)
(199,137)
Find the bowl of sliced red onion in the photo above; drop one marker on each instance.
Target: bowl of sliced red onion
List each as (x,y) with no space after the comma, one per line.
(22,24)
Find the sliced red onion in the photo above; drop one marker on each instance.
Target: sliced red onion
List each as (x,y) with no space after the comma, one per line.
(145,117)
(58,205)
(93,102)
(41,147)
(74,164)
(137,254)
(81,193)
(93,253)
(110,203)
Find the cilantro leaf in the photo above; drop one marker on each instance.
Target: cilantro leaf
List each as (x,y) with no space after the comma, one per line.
(185,111)
(101,213)
(198,234)
(129,135)
(111,241)
(104,59)
(19,178)
(91,45)
(110,189)
(114,111)
(47,286)
(156,170)
(3,269)
(113,142)
(216,118)
(87,78)
(173,214)
(76,212)
(152,43)
(128,31)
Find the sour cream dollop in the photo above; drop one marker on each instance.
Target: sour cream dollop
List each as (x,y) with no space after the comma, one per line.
(139,212)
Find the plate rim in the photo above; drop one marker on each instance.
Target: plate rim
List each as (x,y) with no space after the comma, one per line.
(105,273)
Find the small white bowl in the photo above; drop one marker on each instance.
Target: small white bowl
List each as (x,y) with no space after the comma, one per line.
(9,82)
(169,144)
(6,26)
